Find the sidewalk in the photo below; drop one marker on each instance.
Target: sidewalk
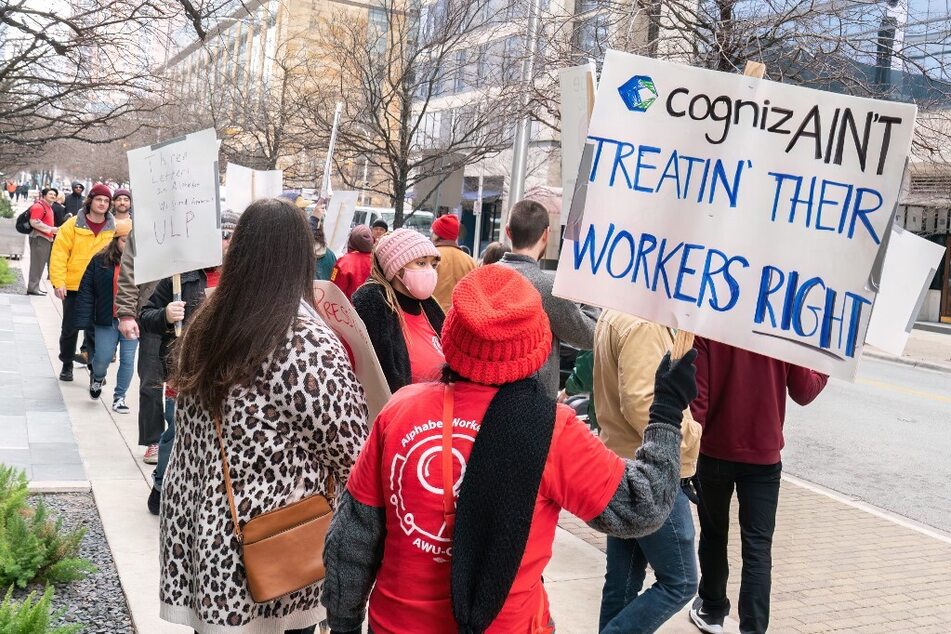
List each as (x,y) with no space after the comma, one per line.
(930,349)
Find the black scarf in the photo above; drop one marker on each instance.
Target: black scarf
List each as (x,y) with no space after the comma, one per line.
(497,501)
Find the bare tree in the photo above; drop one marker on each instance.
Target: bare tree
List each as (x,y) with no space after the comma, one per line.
(427,89)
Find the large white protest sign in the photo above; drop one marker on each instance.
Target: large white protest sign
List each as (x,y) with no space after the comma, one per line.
(577,100)
(176,206)
(743,210)
(340,315)
(246,185)
(337,220)
(910,264)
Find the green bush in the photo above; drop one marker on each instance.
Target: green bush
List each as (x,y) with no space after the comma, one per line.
(7,276)
(31,617)
(6,209)
(33,547)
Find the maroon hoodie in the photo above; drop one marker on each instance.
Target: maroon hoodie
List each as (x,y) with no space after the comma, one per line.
(741,401)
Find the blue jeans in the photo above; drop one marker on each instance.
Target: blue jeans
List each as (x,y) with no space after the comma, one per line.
(108,339)
(670,552)
(165,444)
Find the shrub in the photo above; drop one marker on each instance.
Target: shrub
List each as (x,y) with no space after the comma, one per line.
(31,617)
(33,547)
(6,209)
(7,276)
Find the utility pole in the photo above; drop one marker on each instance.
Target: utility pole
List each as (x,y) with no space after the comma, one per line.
(520,149)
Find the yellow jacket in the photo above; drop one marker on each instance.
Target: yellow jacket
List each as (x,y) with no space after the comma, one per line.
(627,350)
(73,248)
(454,263)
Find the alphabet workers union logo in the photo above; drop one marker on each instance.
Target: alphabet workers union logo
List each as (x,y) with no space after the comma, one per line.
(638,93)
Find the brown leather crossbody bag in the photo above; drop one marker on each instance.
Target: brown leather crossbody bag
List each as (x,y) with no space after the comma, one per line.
(282,550)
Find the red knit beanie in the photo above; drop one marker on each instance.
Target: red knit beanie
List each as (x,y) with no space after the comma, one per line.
(100,189)
(446,227)
(496,331)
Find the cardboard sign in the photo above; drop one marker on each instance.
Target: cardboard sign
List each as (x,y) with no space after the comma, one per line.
(340,315)
(246,185)
(577,86)
(338,218)
(177,218)
(910,265)
(740,209)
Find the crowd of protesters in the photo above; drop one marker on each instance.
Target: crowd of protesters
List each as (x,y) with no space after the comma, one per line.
(445,505)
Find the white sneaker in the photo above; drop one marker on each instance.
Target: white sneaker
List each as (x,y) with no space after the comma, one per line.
(119,406)
(151,455)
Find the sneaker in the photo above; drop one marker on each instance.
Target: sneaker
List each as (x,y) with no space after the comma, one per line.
(81,358)
(151,455)
(705,621)
(119,406)
(95,387)
(67,373)
(155,501)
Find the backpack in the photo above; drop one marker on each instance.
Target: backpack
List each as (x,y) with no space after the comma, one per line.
(23,223)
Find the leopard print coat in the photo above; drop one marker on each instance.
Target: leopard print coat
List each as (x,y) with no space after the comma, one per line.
(303,415)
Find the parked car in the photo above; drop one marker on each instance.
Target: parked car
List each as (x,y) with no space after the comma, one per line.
(420,221)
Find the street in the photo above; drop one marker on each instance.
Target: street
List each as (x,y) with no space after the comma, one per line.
(885,440)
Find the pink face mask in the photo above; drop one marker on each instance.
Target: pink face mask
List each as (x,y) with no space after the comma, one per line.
(420,282)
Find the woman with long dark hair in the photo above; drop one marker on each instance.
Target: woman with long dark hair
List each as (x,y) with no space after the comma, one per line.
(257,360)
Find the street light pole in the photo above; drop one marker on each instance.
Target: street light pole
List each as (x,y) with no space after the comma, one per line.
(520,149)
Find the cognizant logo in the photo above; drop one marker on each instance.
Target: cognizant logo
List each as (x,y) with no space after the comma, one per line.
(638,93)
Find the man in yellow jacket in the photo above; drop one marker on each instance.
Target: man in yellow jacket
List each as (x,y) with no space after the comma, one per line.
(627,351)
(80,238)
(454,263)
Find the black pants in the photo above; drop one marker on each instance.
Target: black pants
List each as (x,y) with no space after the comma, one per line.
(69,335)
(151,394)
(757,492)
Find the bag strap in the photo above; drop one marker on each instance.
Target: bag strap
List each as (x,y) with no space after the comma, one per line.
(226,471)
(449,499)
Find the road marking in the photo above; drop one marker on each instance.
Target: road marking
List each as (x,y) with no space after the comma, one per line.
(906,390)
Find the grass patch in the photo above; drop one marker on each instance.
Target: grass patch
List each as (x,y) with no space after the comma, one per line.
(7,276)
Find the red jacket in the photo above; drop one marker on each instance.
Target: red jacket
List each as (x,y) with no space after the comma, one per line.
(351,271)
(741,401)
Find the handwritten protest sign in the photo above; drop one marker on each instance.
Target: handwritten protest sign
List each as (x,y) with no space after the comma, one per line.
(577,100)
(739,209)
(176,206)
(246,185)
(338,218)
(910,264)
(340,315)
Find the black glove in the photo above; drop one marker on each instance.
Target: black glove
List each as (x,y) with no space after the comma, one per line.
(675,386)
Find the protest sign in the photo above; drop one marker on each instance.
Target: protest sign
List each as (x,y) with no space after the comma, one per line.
(337,220)
(340,315)
(740,209)
(176,206)
(577,86)
(246,185)
(910,265)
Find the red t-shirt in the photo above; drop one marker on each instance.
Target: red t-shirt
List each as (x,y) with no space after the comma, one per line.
(44,213)
(425,351)
(400,469)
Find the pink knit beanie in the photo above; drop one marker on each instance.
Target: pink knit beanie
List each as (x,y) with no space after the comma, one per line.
(402,247)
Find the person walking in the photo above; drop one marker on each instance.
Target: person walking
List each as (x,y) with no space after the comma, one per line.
(43,223)
(627,350)
(741,405)
(75,200)
(23,191)
(450,513)
(11,190)
(402,318)
(250,396)
(352,269)
(528,231)
(96,307)
(159,317)
(59,210)
(77,241)
(494,252)
(454,263)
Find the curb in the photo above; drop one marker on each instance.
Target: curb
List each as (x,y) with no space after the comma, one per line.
(927,365)
(56,486)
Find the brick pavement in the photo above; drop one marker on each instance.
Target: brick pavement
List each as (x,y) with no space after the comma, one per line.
(839,568)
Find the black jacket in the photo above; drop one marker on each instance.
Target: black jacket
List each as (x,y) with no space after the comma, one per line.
(383,326)
(73,204)
(95,297)
(59,214)
(152,315)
